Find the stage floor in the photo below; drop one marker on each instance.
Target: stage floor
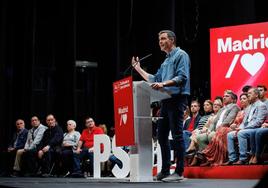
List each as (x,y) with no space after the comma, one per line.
(122,183)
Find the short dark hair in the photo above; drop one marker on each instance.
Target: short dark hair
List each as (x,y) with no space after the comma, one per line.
(170,34)
(195,101)
(246,88)
(262,86)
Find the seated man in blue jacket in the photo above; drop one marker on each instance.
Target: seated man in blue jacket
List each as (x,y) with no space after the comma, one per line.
(17,142)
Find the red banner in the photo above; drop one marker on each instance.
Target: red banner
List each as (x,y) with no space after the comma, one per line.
(123,112)
(239,57)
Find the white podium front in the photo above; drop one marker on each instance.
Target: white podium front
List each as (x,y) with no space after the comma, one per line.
(141,164)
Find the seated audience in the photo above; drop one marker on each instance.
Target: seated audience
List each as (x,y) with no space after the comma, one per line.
(224,117)
(254,117)
(216,152)
(194,146)
(25,156)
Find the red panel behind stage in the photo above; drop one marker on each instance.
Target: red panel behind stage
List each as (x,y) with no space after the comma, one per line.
(123,112)
(239,57)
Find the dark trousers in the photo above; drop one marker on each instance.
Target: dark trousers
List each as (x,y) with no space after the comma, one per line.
(7,162)
(67,159)
(29,159)
(84,154)
(47,161)
(172,111)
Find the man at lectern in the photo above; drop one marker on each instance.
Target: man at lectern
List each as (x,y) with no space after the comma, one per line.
(173,76)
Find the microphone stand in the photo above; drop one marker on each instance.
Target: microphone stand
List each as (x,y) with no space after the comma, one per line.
(132,66)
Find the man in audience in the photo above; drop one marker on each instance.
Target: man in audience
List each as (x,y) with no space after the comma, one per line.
(17,142)
(263,92)
(51,141)
(85,147)
(28,153)
(224,117)
(191,124)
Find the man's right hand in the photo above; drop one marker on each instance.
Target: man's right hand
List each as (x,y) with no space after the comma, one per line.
(135,62)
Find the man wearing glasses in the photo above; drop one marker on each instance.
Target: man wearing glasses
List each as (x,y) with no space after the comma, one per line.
(85,147)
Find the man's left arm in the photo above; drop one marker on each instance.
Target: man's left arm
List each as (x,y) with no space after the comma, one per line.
(182,68)
(261,113)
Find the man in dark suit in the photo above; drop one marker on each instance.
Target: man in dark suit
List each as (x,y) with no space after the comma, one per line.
(50,143)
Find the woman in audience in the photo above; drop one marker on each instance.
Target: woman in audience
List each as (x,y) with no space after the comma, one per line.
(69,144)
(205,123)
(216,152)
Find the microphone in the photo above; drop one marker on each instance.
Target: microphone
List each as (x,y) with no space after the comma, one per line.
(131,66)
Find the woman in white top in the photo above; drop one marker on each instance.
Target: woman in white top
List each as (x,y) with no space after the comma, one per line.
(69,144)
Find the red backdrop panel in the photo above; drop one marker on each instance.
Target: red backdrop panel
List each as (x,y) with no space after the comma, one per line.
(239,56)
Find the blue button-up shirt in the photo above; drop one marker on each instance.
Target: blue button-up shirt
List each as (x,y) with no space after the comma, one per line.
(176,67)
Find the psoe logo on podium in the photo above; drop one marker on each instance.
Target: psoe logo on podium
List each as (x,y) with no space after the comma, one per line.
(239,56)
(123,112)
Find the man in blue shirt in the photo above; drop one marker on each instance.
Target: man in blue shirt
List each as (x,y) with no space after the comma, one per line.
(173,76)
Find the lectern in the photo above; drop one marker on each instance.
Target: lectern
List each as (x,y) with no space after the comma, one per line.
(141,163)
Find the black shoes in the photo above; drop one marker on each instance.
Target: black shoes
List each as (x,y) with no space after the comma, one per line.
(77,175)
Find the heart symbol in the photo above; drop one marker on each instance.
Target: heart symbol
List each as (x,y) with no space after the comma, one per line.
(252,63)
(124,117)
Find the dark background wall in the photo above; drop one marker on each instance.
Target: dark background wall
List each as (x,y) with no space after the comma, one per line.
(41,40)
